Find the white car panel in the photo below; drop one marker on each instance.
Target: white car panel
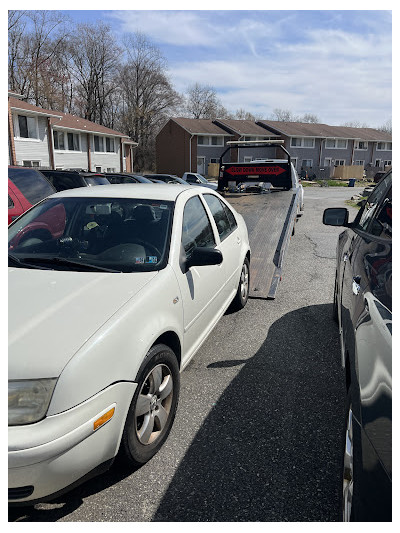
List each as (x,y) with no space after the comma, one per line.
(93,330)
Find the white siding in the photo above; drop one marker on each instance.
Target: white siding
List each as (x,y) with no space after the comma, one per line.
(73,159)
(33,149)
(106,160)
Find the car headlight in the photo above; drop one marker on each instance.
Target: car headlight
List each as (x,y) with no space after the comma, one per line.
(28,400)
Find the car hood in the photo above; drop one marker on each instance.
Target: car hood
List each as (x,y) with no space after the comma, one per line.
(53,313)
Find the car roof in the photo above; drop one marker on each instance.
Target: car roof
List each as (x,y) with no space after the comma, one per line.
(140,190)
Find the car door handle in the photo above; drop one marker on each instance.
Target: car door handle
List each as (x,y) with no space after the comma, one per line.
(356,285)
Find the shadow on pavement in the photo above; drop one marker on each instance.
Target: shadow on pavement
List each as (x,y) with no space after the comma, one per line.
(270,449)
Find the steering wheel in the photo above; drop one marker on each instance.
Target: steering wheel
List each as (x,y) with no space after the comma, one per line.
(148,247)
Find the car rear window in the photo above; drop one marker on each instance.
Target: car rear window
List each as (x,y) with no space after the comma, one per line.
(96,180)
(31,183)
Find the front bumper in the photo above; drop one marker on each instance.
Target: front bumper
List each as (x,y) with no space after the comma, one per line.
(46,457)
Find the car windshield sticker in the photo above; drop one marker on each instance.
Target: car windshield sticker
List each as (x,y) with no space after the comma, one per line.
(139,260)
(152,259)
(91,225)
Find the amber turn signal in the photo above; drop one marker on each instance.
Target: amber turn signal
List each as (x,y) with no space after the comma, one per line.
(103,419)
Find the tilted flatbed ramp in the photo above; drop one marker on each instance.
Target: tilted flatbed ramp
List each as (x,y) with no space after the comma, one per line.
(270,219)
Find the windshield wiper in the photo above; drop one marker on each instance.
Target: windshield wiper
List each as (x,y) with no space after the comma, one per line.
(21,263)
(62,261)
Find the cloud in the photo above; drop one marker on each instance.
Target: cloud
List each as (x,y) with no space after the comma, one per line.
(335,64)
(178,28)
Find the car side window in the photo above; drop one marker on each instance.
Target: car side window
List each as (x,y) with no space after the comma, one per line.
(220,214)
(31,183)
(373,201)
(196,227)
(10,203)
(191,178)
(381,225)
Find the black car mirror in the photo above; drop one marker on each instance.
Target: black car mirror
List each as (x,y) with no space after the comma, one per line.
(336,216)
(203,257)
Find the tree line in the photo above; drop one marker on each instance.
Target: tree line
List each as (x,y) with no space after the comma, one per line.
(83,70)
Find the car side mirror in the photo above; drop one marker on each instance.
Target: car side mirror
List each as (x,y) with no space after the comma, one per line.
(336,216)
(203,257)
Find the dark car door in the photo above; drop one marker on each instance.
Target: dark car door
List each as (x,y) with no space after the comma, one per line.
(366,319)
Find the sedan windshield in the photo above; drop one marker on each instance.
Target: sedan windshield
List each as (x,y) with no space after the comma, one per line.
(105,234)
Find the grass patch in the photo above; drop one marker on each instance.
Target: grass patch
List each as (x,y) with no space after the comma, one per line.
(356,203)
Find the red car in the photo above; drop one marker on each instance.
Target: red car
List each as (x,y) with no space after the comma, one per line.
(26,187)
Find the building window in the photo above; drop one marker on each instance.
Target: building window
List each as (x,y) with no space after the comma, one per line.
(206,140)
(336,143)
(110,146)
(58,137)
(27,127)
(73,141)
(340,162)
(302,142)
(214,160)
(361,145)
(384,146)
(387,163)
(307,163)
(32,164)
(359,162)
(98,143)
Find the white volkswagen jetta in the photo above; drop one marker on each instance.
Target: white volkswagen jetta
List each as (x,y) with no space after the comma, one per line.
(112,290)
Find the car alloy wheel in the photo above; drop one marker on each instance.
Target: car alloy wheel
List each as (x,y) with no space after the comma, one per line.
(348,468)
(153,404)
(153,407)
(242,293)
(244,282)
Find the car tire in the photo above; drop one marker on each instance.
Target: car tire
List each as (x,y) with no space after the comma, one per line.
(348,464)
(242,294)
(153,407)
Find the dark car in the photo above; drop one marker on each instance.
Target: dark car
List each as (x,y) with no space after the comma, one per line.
(125,177)
(165,178)
(26,187)
(72,179)
(363,310)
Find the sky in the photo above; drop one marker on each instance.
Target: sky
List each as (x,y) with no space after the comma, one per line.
(336,65)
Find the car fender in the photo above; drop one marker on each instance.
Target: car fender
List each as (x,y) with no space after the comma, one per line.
(115,352)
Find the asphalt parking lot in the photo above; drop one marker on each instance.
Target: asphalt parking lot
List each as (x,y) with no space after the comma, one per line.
(257,436)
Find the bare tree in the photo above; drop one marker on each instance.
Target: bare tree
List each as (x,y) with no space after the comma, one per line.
(355,124)
(242,114)
(35,39)
(94,67)
(386,127)
(309,118)
(202,102)
(147,96)
(284,115)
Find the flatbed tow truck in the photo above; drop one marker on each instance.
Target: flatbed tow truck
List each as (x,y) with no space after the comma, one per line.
(269,196)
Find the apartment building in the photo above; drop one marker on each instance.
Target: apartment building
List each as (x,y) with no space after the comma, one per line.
(44,138)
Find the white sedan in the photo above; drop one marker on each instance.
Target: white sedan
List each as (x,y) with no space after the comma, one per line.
(112,290)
